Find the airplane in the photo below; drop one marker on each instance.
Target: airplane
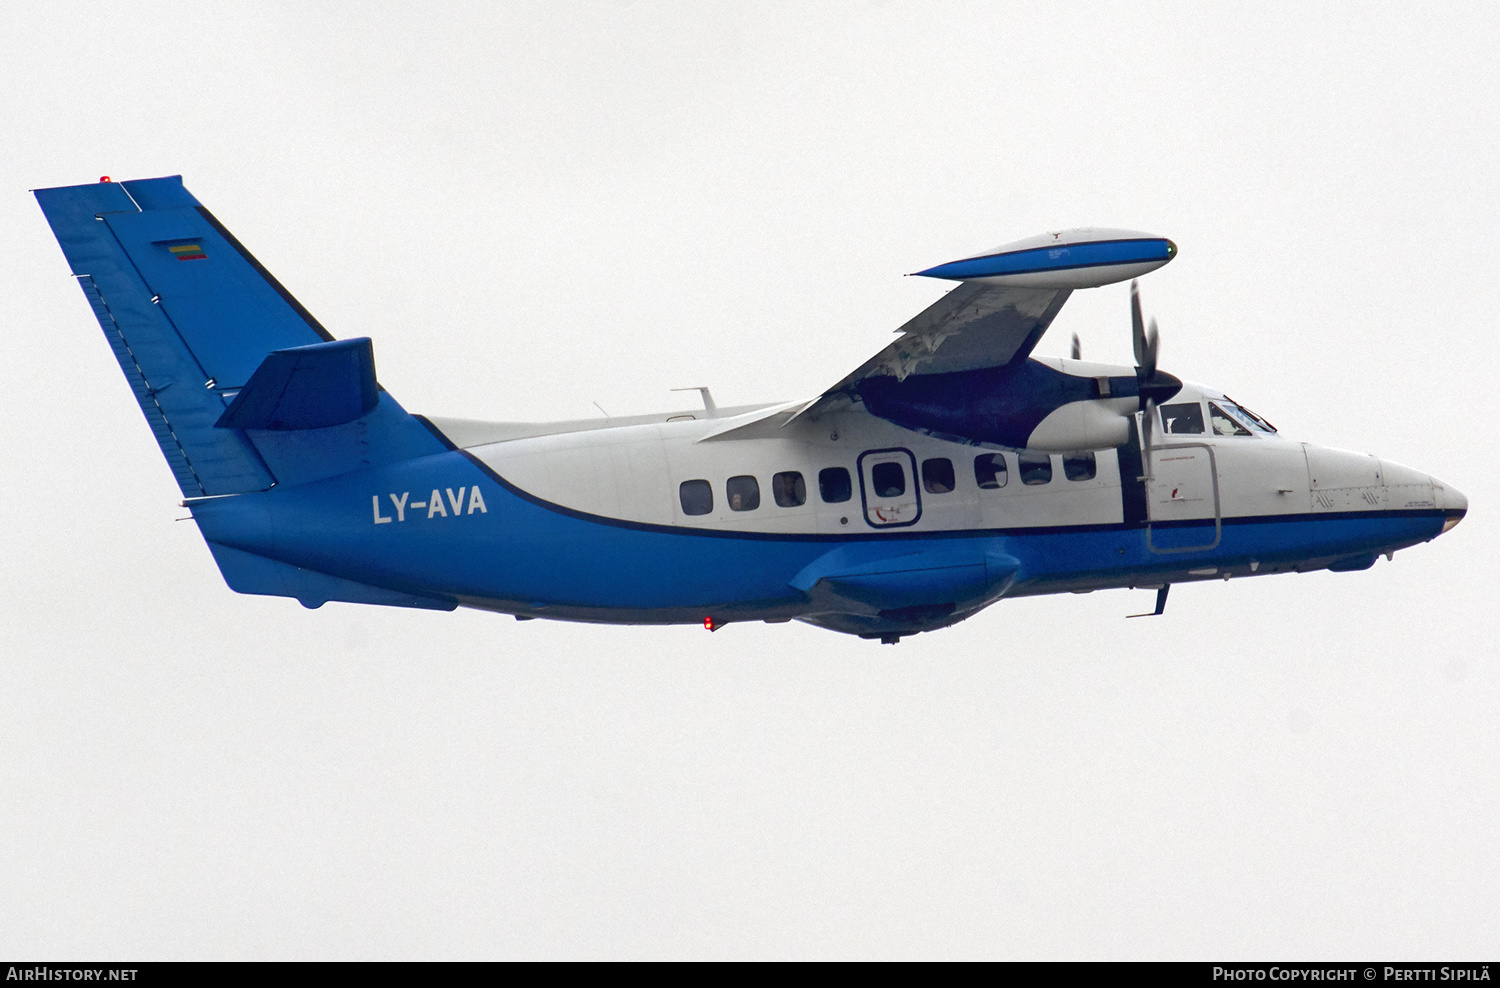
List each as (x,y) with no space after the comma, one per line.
(951,470)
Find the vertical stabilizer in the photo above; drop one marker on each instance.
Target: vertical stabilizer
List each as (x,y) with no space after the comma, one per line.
(189,313)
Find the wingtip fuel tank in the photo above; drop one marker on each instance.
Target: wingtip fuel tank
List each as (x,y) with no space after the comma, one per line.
(1081,258)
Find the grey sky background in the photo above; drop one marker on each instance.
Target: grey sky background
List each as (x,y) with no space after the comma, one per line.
(536,207)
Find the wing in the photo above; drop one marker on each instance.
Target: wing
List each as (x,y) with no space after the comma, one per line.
(1007,299)
(972,326)
(975,325)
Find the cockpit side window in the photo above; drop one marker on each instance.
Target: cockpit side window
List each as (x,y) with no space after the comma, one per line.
(1183,419)
(1224,423)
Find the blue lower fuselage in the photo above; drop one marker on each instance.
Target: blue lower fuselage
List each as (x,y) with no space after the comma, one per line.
(508,550)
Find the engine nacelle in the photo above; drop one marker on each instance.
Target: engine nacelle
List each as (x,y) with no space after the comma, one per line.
(1083,425)
(1045,405)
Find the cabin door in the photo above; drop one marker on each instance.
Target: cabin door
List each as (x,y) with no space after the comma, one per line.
(888,487)
(1182,498)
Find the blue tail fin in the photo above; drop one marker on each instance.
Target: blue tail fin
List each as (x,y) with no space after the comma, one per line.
(242,387)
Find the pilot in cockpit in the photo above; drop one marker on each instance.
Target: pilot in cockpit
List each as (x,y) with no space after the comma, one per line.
(1184,418)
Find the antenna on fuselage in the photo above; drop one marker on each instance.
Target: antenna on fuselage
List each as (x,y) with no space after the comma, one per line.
(708,400)
(1161,602)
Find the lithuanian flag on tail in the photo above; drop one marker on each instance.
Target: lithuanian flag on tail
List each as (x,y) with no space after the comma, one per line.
(187,252)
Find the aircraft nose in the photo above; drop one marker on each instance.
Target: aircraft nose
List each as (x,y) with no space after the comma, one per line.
(1451,501)
(1410,488)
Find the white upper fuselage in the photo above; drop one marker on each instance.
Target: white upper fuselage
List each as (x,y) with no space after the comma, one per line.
(635,472)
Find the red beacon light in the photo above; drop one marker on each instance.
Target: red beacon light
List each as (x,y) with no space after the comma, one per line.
(710,623)
(104,178)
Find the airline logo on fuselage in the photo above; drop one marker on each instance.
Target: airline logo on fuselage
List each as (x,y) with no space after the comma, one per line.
(443,503)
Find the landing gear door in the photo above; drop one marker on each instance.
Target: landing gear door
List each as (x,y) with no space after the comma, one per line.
(888,488)
(1182,497)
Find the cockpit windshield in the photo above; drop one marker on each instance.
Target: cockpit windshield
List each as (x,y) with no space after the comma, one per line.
(1224,423)
(1250,418)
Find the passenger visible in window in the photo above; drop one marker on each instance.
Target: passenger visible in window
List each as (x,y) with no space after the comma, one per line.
(697,497)
(743,493)
(1183,419)
(834,485)
(789,489)
(1079,466)
(989,471)
(1036,468)
(937,475)
(889,479)
(1224,424)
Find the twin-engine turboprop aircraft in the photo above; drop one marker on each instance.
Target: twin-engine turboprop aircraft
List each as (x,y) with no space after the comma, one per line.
(948,471)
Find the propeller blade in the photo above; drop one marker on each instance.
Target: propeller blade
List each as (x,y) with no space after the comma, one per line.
(1137,326)
(1077,348)
(1153,385)
(1148,425)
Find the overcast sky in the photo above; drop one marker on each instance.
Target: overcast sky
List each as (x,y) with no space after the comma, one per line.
(533,208)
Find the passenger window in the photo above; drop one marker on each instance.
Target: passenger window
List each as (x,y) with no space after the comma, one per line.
(834,485)
(1184,418)
(989,471)
(937,475)
(697,497)
(1079,466)
(1223,424)
(743,493)
(889,479)
(1036,468)
(789,489)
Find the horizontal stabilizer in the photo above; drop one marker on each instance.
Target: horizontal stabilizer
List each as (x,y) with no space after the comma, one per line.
(307,387)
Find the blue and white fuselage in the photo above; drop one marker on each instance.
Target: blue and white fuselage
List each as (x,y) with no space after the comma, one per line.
(586,521)
(951,470)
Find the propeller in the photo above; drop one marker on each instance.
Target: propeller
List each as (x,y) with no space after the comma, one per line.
(1154,385)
